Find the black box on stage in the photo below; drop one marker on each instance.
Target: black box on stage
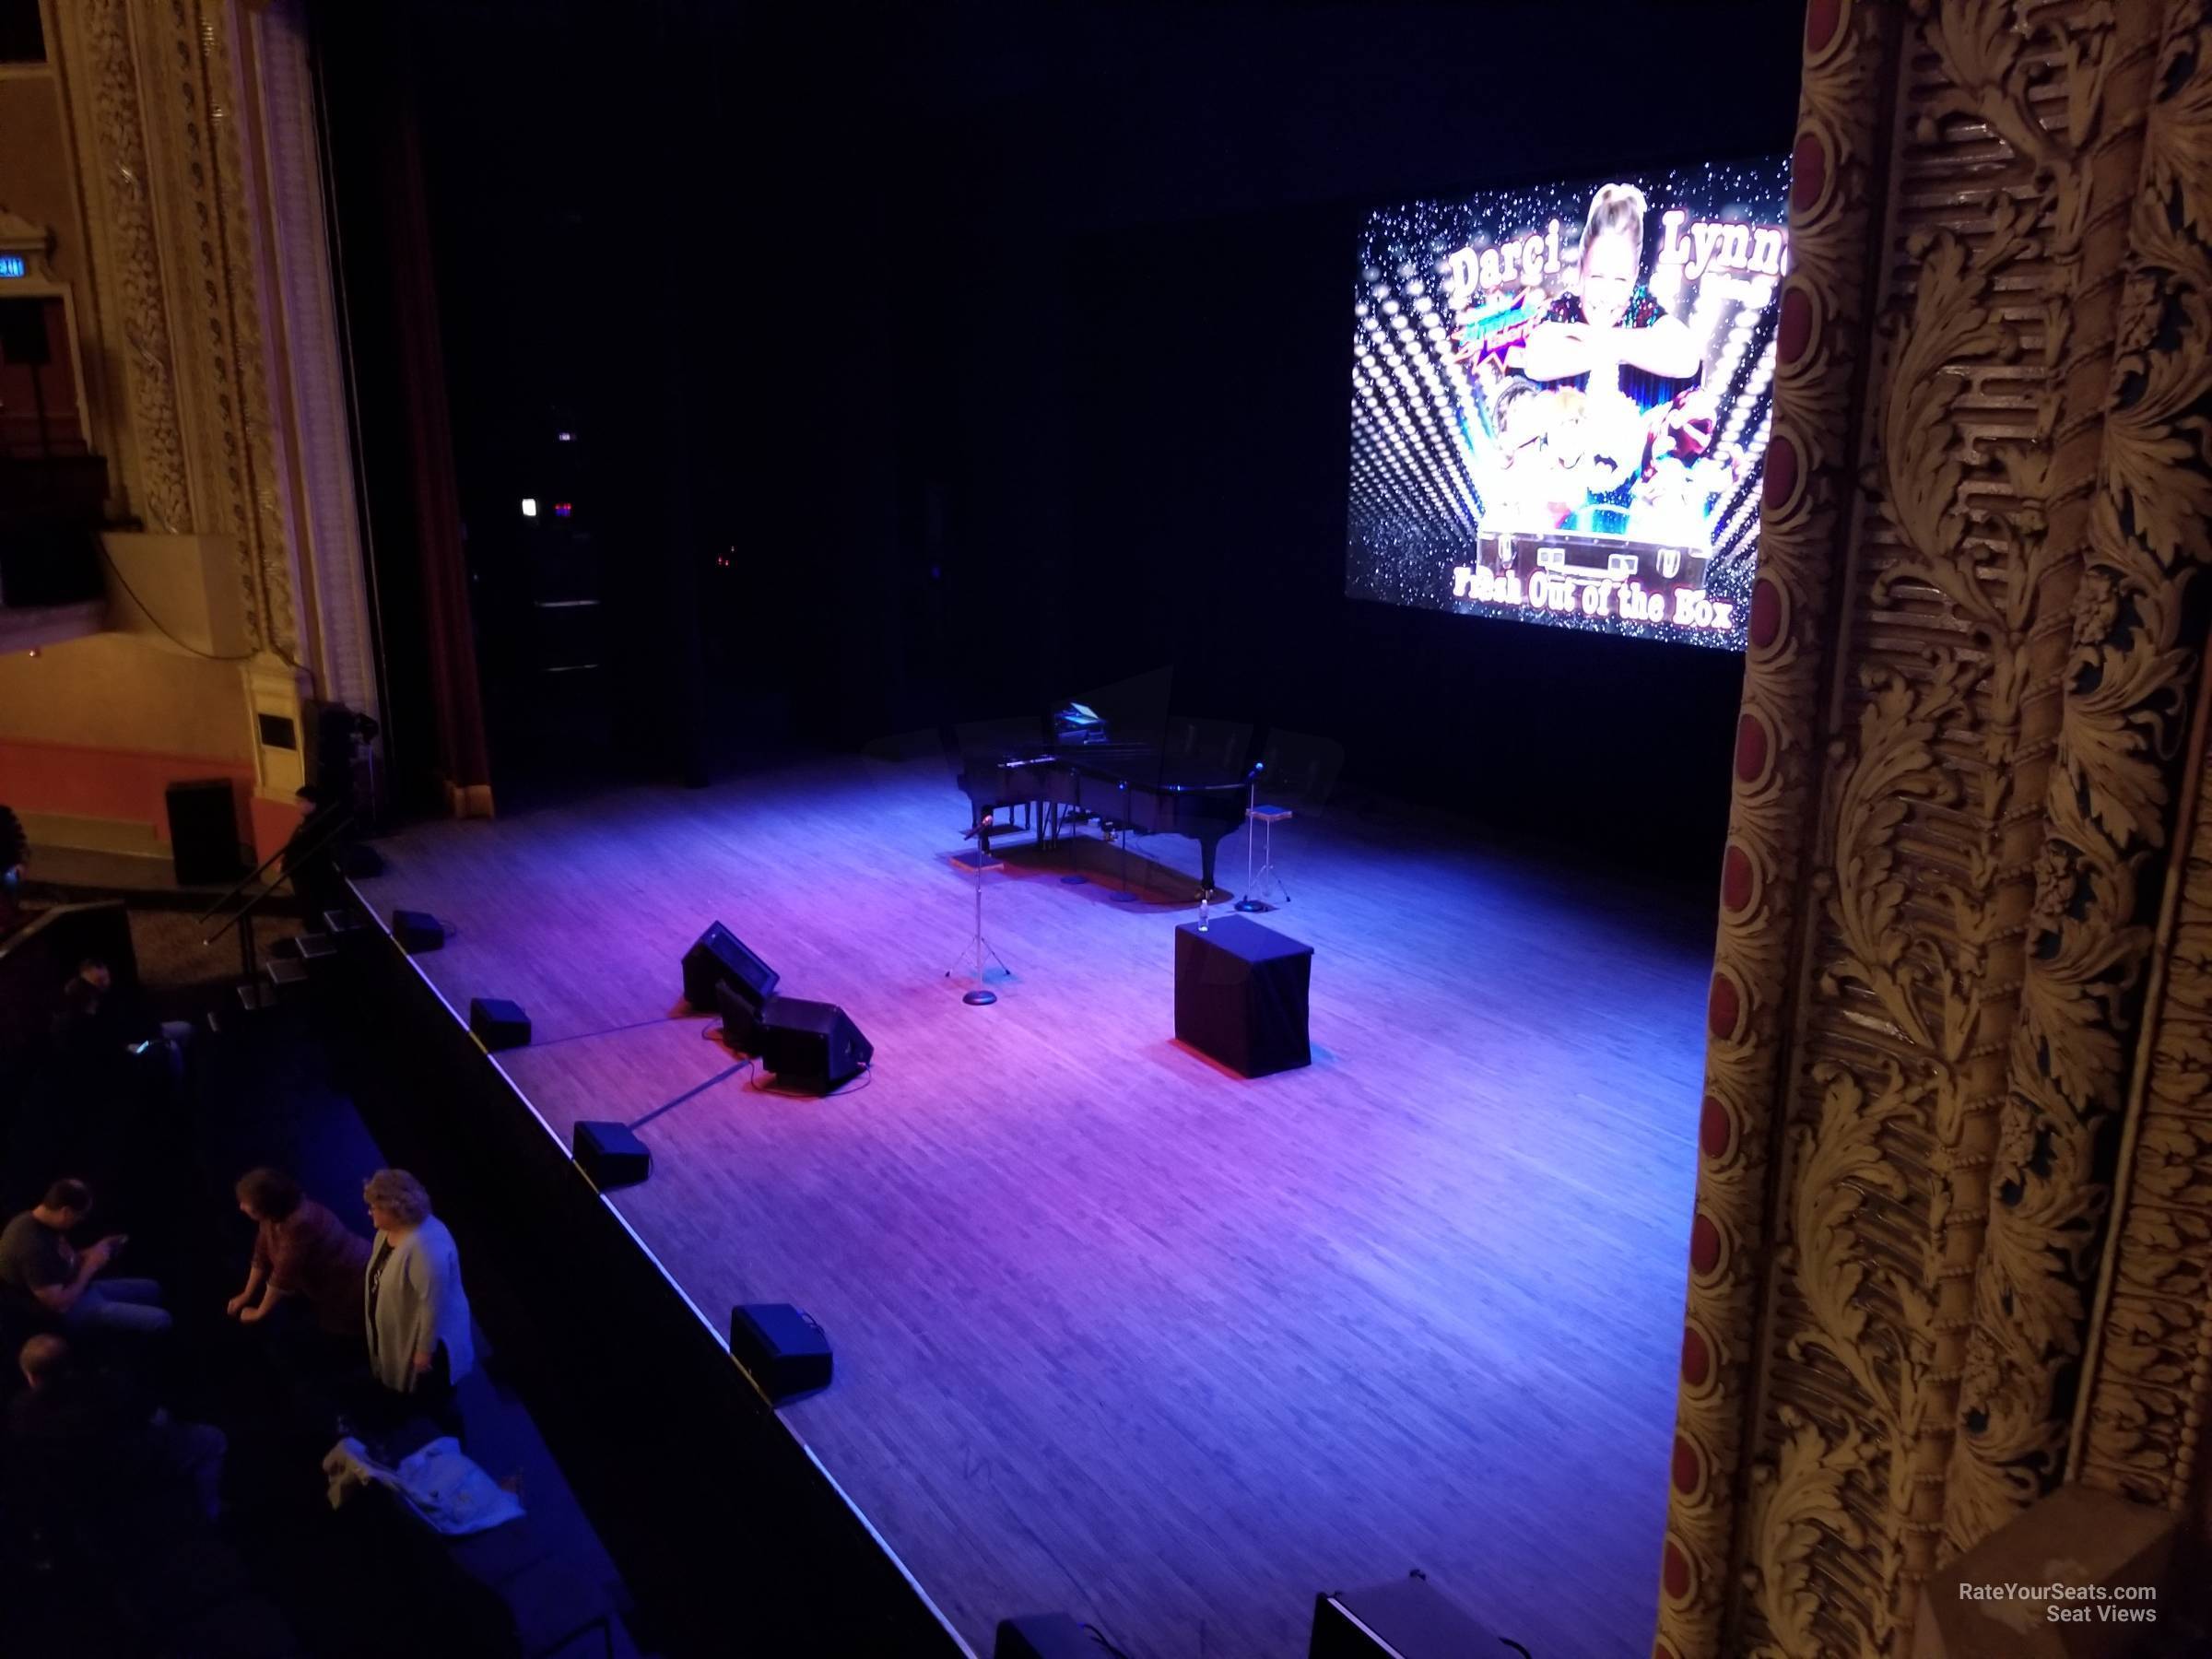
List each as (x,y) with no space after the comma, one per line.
(784,1351)
(811,1045)
(1408,1619)
(202,833)
(611,1153)
(418,931)
(498,1023)
(1043,1636)
(721,957)
(740,1018)
(1240,994)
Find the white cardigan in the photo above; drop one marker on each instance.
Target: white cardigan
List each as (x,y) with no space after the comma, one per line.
(419,1303)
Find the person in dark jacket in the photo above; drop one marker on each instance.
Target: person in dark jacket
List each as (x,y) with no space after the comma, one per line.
(301,1251)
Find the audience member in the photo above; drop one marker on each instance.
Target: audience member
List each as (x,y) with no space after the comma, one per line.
(82,1440)
(417,1312)
(46,1277)
(97,1020)
(300,1249)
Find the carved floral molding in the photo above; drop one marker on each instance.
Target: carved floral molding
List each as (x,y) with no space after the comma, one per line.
(1962,725)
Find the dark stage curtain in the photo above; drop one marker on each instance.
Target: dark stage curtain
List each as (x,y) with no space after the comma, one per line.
(463,755)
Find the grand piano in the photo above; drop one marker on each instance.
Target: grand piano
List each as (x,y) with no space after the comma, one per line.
(1077,772)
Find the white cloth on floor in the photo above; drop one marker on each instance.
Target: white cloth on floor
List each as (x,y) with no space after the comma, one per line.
(444,1489)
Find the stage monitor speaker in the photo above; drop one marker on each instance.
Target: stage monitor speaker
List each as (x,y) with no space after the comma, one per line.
(498,1023)
(418,931)
(782,1350)
(1408,1619)
(740,1018)
(354,860)
(721,957)
(811,1045)
(202,833)
(611,1155)
(1043,1636)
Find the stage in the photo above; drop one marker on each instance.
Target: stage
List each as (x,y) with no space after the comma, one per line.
(1118,1331)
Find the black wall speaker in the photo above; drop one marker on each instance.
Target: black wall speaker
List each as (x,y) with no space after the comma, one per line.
(498,1023)
(782,1350)
(811,1045)
(611,1153)
(721,957)
(23,338)
(202,833)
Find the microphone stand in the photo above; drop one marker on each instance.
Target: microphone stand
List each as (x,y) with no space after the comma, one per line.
(980,995)
(1252,832)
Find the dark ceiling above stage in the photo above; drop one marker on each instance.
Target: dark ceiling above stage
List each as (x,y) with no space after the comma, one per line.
(999,349)
(1166,110)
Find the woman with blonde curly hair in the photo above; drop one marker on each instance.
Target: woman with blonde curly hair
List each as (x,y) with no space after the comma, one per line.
(1612,342)
(1610,321)
(416,1311)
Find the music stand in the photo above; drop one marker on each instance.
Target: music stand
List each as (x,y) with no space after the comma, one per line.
(1300,772)
(1125,894)
(1268,891)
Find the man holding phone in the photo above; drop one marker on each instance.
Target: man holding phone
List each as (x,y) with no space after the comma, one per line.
(98,1019)
(43,1271)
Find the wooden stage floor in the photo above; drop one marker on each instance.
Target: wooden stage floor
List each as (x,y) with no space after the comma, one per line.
(1117,1332)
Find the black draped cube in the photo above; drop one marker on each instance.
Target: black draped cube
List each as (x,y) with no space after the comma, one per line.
(1240,994)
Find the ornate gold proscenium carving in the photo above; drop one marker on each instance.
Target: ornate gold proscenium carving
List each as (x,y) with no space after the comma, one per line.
(2145,1391)
(123,210)
(1837,171)
(171,211)
(1924,1001)
(2108,821)
(248,435)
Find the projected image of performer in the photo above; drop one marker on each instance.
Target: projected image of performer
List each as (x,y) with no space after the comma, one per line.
(1613,341)
(1683,479)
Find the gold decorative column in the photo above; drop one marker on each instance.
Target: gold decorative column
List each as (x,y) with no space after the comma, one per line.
(1838,170)
(183,129)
